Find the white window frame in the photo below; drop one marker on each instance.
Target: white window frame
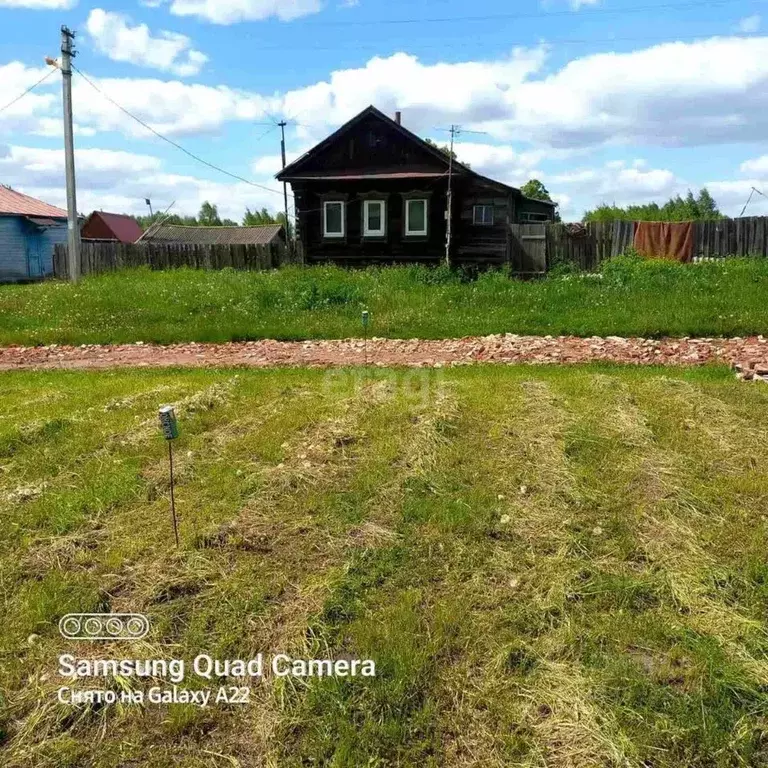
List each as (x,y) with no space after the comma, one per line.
(343,231)
(419,232)
(483,206)
(375,232)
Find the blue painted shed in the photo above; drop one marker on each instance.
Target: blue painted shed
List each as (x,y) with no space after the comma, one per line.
(29,230)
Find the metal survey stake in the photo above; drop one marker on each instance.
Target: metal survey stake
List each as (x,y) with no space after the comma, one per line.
(366,317)
(170,433)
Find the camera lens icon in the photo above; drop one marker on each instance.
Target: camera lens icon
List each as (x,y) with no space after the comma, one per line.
(104,626)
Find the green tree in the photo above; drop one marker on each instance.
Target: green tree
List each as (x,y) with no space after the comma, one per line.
(707,206)
(146,221)
(446,150)
(534,189)
(259,218)
(690,208)
(209,215)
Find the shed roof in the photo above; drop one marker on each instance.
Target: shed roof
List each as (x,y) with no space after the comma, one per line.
(123,227)
(176,233)
(15,203)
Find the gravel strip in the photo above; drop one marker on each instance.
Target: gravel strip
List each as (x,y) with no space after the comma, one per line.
(749,354)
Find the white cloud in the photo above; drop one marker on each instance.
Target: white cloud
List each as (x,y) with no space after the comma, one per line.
(96,168)
(428,95)
(576,4)
(750,24)
(116,38)
(39,5)
(26,112)
(676,94)
(615,182)
(120,181)
(673,94)
(732,195)
(505,163)
(233,11)
(171,107)
(757,166)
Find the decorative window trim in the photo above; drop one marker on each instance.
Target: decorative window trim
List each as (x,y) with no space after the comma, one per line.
(482,208)
(407,231)
(335,235)
(369,233)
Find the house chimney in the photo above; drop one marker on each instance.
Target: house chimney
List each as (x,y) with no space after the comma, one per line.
(398,117)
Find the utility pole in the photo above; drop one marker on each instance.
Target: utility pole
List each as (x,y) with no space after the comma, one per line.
(282,125)
(449,207)
(73,227)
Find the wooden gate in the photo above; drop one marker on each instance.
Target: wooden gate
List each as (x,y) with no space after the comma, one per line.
(527,250)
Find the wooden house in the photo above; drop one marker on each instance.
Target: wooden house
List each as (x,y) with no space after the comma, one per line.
(29,230)
(373,191)
(111,227)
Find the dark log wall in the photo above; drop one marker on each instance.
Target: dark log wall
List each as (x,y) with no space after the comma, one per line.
(372,144)
(356,249)
(486,243)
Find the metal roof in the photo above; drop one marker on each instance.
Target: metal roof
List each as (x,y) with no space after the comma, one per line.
(14,203)
(124,228)
(176,233)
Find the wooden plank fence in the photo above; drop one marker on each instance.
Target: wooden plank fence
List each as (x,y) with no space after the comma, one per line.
(96,257)
(588,245)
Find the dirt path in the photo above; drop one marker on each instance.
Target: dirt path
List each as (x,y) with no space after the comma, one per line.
(750,352)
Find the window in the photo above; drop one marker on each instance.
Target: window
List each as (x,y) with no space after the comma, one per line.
(483,214)
(416,217)
(333,218)
(374,218)
(527,216)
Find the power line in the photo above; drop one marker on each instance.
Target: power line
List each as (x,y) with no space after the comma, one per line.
(514,16)
(29,90)
(173,143)
(462,43)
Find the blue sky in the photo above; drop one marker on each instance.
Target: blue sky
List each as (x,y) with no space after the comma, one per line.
(604,100)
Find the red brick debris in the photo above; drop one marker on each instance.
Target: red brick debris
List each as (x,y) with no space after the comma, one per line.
(749,356)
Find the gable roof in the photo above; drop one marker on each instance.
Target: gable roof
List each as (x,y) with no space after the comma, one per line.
(177,233)
(14,203)
(293,170)
(123,228)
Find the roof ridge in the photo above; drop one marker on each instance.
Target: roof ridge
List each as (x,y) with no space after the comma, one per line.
(221,226)
(17,202)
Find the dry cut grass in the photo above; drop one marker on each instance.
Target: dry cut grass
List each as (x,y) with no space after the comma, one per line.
(550,567)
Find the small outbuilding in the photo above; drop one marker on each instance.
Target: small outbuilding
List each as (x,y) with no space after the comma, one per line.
(29,230)
(111,228)
(268,234)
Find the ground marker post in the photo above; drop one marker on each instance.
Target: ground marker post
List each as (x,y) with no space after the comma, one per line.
(170,432)
(366,318)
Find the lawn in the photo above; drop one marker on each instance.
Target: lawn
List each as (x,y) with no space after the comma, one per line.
(629,298)
(549,566)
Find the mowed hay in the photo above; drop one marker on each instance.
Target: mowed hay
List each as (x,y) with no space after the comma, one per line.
(550,567)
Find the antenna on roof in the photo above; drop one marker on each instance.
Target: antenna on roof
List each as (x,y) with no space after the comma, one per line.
(152,228)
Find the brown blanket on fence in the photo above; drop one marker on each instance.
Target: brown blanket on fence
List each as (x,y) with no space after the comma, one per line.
(663,240)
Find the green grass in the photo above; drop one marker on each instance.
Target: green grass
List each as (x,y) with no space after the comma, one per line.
(629,298)
(549,566)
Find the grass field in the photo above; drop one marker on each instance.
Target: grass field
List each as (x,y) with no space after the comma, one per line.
(549,566)
(629,298)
